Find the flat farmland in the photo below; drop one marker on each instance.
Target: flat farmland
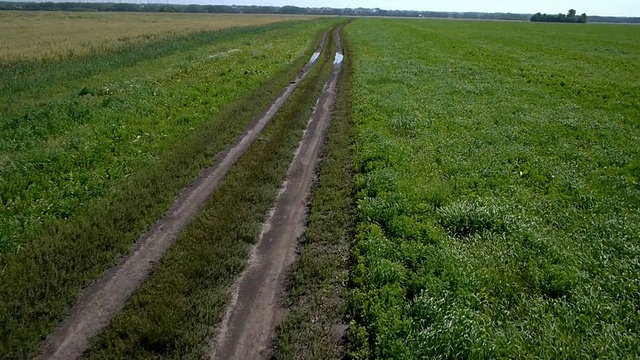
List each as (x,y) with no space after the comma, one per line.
(189,186)
(95,148)
(498,185)
(73,127)
(30,35)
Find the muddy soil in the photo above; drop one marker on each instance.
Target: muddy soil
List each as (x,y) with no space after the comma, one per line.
(101,301)
(255,309)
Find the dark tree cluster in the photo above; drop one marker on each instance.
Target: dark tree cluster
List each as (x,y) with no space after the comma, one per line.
(570,17)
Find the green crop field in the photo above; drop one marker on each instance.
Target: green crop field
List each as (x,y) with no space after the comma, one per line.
(477,195)
(498,186)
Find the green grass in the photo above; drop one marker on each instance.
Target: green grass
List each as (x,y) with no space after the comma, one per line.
(120,170)
(497,190)
(70,131)
(317,289)
(174,313)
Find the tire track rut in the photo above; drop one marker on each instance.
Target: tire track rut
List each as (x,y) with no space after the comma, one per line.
(255,311)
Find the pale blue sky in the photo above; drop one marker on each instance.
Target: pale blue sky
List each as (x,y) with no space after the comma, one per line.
(591,7)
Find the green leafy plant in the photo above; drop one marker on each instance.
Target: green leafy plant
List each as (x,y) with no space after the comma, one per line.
(496,175)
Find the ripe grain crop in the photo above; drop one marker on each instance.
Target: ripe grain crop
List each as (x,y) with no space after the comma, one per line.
(28,36)
(498,187)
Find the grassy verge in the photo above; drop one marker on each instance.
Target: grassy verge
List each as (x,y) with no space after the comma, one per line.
(318,281)
(175,311)
(41,281)
(497,190)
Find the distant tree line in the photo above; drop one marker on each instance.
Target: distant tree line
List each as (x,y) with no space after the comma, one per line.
(236,9)
(570,17)
(247,9)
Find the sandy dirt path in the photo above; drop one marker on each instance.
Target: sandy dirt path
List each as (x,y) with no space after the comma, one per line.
(102,300)
(255,310)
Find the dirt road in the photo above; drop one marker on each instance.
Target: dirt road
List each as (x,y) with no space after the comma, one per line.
(255,310)
(101,301)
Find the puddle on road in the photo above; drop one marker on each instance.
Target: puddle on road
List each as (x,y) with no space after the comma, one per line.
(314,57)
(338,59)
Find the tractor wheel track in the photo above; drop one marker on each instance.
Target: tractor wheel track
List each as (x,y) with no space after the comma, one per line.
(255,310)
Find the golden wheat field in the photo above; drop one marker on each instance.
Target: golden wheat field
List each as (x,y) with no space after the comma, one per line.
(54,35)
